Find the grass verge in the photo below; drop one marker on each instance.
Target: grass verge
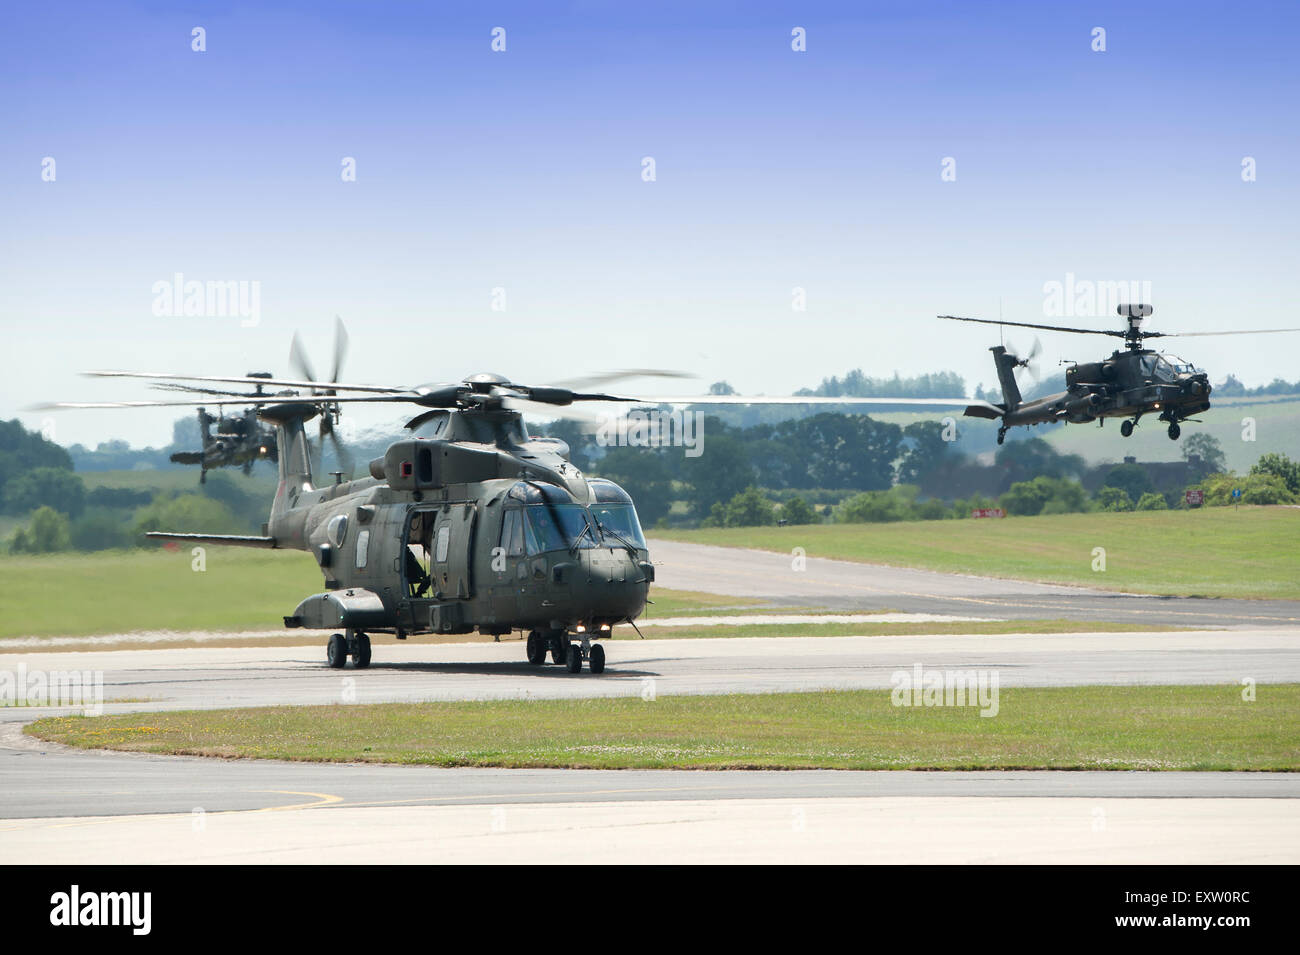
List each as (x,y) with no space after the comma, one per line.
(1211,552)
(1149,728)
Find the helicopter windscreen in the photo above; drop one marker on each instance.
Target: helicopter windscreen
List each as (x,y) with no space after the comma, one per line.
(621,519)
(558,527)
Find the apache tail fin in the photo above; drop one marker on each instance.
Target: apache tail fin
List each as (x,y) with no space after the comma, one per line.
(1006,364)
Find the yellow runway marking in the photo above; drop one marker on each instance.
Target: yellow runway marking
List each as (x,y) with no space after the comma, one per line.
(321,799)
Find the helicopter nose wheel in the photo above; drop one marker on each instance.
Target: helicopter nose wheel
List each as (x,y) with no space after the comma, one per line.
(340,647)
(559,647)
(536,648)
(359,645)
(1002,435)
(1126,428)
(1174,431)
(336,651)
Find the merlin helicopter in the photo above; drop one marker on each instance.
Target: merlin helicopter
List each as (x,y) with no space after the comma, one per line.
(478,526)
(1130,384)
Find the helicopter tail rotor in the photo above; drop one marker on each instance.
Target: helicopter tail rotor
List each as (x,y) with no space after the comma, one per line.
(330,411)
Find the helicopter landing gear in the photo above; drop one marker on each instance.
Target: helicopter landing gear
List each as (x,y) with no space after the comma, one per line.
(536,648)
(593,653)
(559,646)
(336,651)
(1002,435)
(1174,431)
(359,647)
(340,647)
(1126,428)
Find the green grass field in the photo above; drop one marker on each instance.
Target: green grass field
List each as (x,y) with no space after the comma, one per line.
(1153,728)
(184,480)
(1222,552)
(1212,552)
(123,591)
(1277,428)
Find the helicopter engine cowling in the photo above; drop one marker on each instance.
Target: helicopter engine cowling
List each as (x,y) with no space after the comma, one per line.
(1082,408)
(419,464)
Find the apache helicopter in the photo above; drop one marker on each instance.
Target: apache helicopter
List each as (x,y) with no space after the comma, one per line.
(1129,384)
(241,440)
(478,526)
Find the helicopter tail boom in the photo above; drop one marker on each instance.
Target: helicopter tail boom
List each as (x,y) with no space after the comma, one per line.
(231,540)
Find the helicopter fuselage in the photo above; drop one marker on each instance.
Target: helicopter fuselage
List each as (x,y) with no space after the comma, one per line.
(451,535)
(1126,385)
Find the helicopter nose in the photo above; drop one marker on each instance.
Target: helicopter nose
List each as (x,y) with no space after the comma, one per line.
(616,585)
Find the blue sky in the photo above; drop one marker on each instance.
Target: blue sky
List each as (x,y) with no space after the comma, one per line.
(522,170)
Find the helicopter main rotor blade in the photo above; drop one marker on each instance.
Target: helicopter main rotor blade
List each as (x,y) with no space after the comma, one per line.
(609,377)
(1050,328)
(547,410)
(245,380)
(810,400)
(194,389)
(220,402)
(1245,331)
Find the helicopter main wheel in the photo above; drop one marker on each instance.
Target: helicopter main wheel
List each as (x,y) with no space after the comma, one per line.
(1126,428)
(1174,431)
(361,650)
(1002,435)
(336,652)
(574,660)
(536,648)
(597,658)
(559,647)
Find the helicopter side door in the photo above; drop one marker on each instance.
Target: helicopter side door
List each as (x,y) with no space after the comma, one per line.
(453,544)
(504,560)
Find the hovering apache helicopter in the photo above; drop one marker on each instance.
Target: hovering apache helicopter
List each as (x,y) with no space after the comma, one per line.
(1129,384)
(241,440)
(478,526)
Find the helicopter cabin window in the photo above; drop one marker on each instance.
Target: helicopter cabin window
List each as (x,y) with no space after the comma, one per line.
(363,549)
(512,532)
(444,544)
(337,529)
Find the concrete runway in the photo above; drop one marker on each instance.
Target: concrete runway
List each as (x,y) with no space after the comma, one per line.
(68,807)
(848,585)
(58,805)
(219,677)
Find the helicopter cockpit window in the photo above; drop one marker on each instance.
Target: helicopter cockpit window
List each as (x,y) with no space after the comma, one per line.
(558,527)
(619,521)
(1164,370)
(512,533)
(363,549)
